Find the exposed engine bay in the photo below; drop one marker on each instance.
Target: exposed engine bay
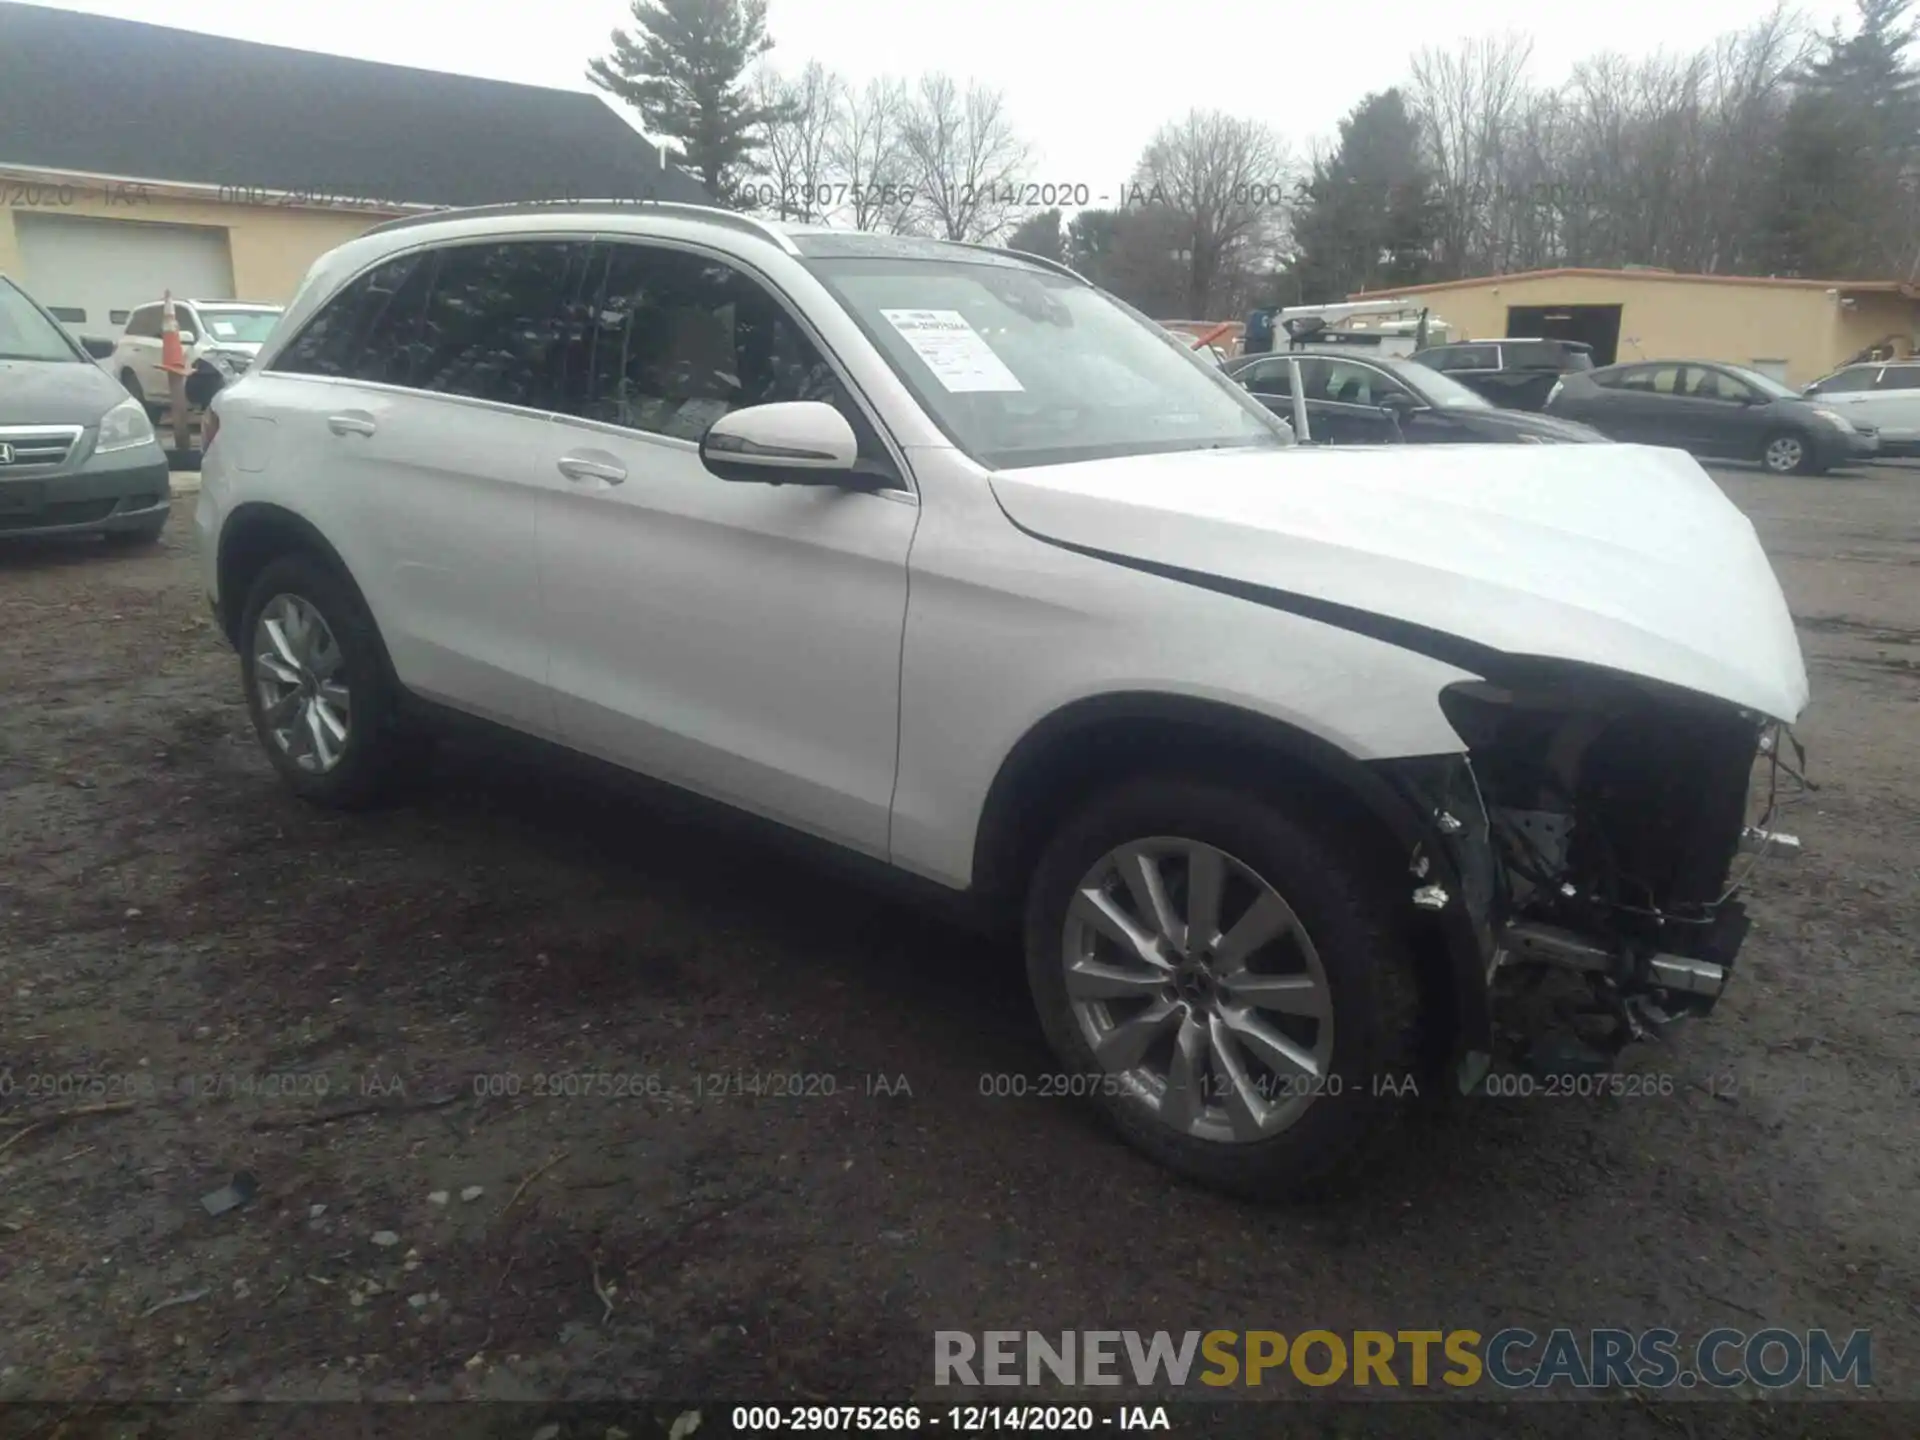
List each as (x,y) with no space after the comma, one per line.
(1597,829)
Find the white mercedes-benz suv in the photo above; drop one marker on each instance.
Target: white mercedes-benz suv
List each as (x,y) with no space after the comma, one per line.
(1289,766)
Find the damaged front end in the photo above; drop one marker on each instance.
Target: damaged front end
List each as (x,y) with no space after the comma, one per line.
(1592,842)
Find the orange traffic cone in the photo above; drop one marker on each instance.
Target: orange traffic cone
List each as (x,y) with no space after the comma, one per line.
(173,356)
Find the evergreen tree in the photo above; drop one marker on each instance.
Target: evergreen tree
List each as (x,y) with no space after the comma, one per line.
(684,69)
(1366,217)
(1040,234)
(1849,153)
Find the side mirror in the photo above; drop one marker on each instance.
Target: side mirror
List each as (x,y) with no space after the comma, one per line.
(97,347)
(1399,402)
(798,442)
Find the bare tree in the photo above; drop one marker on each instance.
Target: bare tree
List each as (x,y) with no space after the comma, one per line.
(796,148)
(1467,99)
(869,156)
(1228,180)
(965,159)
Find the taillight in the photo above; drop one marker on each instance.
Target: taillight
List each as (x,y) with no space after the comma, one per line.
(1554,393)
(209,428)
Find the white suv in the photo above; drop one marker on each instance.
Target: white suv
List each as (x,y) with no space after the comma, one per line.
(1285,764)
(1883,395)
(226,333)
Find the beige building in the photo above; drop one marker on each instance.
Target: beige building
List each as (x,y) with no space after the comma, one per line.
(1794,330)
(221,169)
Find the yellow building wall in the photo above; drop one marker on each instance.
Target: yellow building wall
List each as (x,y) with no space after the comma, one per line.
(271,245)
(1674,319)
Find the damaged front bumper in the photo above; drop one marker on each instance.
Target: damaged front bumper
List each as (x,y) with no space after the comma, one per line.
(1582,863)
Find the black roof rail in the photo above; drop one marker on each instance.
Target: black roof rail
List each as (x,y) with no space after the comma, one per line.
(713,214)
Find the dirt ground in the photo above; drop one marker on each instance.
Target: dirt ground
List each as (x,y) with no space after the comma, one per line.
(559,999)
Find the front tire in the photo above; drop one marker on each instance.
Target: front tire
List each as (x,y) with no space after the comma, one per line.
(317,686)
(1226,982)
(1785,453)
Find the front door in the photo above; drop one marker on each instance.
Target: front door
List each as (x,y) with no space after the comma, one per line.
(738,639)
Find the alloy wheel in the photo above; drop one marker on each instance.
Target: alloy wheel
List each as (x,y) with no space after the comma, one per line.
(1784,454)
(1193,983)
(301,685)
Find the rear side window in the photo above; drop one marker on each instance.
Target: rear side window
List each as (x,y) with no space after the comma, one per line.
(1900,377)
(1657,379)
(502,320)
(1470,357)
(370,330)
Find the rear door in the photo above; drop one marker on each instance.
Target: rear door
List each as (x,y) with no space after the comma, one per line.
(418,406)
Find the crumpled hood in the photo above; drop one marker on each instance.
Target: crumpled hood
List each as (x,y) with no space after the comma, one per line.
(44,392)
(1621,556)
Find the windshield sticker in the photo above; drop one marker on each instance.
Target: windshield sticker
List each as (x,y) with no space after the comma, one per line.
(958,355)
(222,328)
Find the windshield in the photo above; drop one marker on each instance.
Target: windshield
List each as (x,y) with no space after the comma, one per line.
(1765,384)
(238,327)
(1024,367)
(1442,389)
(25,333)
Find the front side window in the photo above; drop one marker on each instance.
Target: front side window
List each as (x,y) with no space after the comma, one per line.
(1023,367)
(1267,377)
(144,323)
(370,330)
(675,340)
(25,333)
(1716,385)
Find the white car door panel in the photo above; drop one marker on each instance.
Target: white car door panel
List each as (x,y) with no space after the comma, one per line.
(741,640)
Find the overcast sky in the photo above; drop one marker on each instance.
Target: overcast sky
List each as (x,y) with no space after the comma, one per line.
(1087,82)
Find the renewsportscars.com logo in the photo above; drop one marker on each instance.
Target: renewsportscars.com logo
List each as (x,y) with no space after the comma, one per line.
(1511,1359)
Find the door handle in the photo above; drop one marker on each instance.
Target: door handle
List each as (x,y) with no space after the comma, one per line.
(354,422)
(585,467)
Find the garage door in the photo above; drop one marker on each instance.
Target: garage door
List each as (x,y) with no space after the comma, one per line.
(91,272)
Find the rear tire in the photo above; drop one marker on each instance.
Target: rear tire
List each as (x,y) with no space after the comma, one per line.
(1787,453)
(1338,950)
(320,697)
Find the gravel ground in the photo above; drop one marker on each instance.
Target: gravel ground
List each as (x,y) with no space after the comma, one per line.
(490,1058)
